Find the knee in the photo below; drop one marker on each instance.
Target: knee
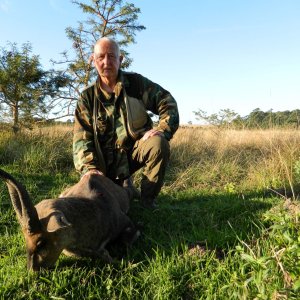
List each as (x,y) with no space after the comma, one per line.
(160,147)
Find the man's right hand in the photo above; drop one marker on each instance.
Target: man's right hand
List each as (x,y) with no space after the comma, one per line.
(94,171)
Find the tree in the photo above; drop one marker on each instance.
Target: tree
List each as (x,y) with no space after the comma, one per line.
(110,18)
(24,86)
(223,118)
(257,119)
(294,118)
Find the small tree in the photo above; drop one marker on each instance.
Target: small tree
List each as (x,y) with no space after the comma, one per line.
(109,18)
(223,118)
(24,86)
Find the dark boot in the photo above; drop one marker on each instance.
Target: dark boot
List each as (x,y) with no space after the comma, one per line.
(149,203)
(153,154)
(132,191)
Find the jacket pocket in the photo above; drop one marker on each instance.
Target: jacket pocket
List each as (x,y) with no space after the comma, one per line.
(137,117)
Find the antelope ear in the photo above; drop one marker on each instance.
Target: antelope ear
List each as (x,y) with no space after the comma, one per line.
(57,221)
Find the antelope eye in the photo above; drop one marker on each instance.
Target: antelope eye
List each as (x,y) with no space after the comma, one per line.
(40,244)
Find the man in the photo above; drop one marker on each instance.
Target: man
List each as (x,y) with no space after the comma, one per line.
(113,133)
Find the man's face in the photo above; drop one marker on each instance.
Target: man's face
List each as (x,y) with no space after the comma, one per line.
(107,61)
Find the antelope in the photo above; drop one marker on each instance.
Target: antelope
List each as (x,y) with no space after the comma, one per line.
(80,222)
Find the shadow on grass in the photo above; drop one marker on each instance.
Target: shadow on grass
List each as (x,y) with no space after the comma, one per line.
(216,221)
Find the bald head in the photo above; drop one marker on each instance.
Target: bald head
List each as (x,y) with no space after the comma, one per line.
(105,41)
(107,60)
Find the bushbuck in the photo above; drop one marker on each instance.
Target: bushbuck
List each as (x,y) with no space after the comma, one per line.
(80,222)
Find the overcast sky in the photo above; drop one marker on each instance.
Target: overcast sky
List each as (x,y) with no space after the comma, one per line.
(210,54)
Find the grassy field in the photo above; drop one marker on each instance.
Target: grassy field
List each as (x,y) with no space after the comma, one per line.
(219,233)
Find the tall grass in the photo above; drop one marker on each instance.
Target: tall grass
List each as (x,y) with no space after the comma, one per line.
(245,159)
(219,232)
(36,151)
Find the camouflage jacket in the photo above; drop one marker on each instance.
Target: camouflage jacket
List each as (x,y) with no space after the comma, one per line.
(121,119)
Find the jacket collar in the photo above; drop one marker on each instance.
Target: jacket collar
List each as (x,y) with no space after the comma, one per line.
(122,81)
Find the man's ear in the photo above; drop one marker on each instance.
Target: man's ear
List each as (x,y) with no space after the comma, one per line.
(121,58)
(92,58)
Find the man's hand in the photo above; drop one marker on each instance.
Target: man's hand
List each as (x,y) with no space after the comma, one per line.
(94,171)
(150,133)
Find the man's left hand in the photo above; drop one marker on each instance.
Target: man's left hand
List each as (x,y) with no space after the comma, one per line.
(151,132)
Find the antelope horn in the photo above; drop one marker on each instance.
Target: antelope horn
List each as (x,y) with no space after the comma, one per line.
(26,212)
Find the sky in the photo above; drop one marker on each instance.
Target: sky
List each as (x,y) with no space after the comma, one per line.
(209,54)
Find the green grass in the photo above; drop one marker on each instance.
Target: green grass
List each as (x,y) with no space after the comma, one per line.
(211,238)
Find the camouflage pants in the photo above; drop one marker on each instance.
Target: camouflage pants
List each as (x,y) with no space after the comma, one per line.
(152,155)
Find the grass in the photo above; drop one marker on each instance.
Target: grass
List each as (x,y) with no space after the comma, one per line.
(219,232)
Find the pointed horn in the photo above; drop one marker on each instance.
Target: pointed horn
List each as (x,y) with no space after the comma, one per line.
(26,212)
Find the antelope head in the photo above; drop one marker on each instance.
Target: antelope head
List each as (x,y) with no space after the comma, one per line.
(42,246)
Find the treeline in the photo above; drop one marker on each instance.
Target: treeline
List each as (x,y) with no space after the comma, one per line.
(256,119)
(260,119)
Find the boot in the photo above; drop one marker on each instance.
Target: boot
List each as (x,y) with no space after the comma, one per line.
(132,191)
(149,203)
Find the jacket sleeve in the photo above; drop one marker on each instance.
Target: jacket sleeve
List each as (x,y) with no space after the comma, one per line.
(84,152)
(160,102)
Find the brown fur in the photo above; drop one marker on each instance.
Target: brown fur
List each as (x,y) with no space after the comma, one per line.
(80,222)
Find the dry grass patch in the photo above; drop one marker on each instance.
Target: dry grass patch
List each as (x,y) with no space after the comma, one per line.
(242,159)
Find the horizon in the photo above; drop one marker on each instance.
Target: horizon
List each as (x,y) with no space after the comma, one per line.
(209,55)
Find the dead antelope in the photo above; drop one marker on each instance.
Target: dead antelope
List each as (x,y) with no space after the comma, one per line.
(79,223)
